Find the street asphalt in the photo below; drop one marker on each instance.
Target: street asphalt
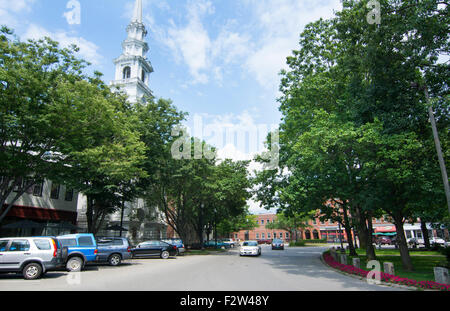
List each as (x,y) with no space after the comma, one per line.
(294,269)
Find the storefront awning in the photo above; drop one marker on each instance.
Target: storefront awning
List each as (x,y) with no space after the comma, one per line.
(385,233)
(385,229)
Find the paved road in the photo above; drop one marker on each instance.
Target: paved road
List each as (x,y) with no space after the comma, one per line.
(295,269)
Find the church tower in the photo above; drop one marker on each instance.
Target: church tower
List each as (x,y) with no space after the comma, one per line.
(133,69)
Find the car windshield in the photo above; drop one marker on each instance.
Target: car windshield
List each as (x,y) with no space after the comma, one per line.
(250,243)
(277,241)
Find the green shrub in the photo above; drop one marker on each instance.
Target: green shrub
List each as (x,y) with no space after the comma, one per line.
(316,241)
(445,251)
(297,243)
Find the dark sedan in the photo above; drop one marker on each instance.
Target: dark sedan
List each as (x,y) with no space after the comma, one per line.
(277,244)
(154,249)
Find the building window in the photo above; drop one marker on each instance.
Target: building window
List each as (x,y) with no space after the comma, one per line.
(18,185)
(127,72)
(143,76)
(287,235)
(262,221)
(37,190)
(315,235)
(257,235)
(308,235)
(54,192)
(408,234)
(235,236)
(268,221)
(263,236)
(268,235)
(27,182)
(281,235)
(69,195)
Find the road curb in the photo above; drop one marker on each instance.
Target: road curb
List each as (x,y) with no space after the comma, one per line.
(409,288)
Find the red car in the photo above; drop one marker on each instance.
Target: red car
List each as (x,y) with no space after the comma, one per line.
(264,241)
(384,240)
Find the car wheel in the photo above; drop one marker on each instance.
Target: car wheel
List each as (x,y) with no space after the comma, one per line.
(74,264)
(115,260)
(165,255)
(32,271)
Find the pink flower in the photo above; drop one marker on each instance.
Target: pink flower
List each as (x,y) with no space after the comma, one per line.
(384,276)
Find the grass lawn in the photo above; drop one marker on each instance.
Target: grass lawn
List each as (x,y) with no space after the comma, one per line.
(423,262)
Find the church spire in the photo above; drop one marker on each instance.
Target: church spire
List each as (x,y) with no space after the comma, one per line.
(133,69)
(137,16)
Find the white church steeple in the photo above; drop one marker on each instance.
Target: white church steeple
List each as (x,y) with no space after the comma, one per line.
(133,69)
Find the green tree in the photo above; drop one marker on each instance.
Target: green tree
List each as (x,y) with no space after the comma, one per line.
(292,223)
(57,123)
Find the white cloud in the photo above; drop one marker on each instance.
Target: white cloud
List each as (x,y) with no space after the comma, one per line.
(191,43)
(280,23)
(9,10)
(88,50)
(259,45)
(16,6)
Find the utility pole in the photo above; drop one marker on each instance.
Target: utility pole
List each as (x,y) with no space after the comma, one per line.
(438,147)
(121,216)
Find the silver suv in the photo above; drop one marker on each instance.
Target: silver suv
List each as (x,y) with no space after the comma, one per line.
(31,256)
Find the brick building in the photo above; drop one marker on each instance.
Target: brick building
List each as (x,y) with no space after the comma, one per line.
(328,230)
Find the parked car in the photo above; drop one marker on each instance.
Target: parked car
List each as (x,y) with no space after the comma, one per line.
(31,256)
(413,242)
(82,249)
(214,244)
(384,240)
(178,243)
(230,242)
(277,244)
(251,248)
(437,241)
(264,241)
(153,249)
(113,250)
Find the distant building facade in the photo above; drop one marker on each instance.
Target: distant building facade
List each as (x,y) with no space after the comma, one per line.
(52,208)
(328,230)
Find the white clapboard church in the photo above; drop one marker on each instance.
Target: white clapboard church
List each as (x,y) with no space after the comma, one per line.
(132,73)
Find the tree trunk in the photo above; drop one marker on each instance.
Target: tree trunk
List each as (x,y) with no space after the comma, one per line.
(348,231)
(401,242)
(426,237)
(360,222)
(370,249)
(89,212)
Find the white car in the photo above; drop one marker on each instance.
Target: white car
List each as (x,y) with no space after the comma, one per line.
(433,241)
(250,248)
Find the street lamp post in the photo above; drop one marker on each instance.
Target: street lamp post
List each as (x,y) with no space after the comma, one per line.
(438,147)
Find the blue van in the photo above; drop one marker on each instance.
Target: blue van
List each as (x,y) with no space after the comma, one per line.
(81,249)
(113,250)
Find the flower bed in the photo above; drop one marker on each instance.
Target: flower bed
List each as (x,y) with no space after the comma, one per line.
(384,277)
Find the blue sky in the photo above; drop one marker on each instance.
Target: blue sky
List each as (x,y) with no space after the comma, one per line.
(218,60)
